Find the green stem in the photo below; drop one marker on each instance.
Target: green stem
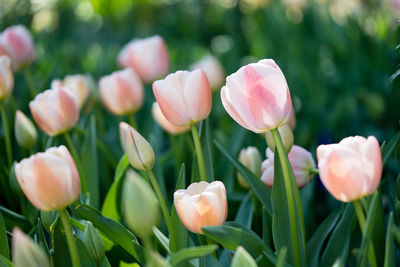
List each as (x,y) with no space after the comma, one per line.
(132,121)
(6,134)
(290,188)
(164,209)
(30,82)
(199,151)
(76,159)
(314,171)
(147,249)
(70,238)
(362,221)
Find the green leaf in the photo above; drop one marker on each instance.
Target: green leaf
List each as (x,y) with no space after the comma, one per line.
(113,230)
(4,248)
(190,253)
(281,257)
(339,241)
(90,165)
(162,239)
(389,148)
(111,203)
(245,213)
(205,137)
(12,219)
(261,190)
(4,262)
(314,245)
(390,257)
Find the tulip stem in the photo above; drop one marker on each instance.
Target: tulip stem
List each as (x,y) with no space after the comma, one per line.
(362,221)
(6,134)
(132,121)
(314,171)
(199,151)
(292,195)
(76,159)
(164,209)
(30,82)
(70,238)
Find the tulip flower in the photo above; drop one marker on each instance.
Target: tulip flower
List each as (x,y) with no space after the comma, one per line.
(352,168)
(17,43)
(159,117)
(6,78)
(25,131)
(148,57)
(184,97)
(213,70)
(55,111)
(286,134)
(49,179)
(78,84)
(122,92)
(26,252)
(139,151)
(301,161)
(201,204)
(257,96)
(251,158)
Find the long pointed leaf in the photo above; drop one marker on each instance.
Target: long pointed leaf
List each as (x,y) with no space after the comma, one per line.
(390,258)
(4,248)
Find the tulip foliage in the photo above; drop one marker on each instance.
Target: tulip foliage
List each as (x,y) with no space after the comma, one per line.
(150,165)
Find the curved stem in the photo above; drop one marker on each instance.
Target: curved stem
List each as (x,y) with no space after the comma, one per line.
(199,151)
(30,82)
(164,209)
(70,238)
(6,134)
(314,171)
(147,249)
(76,159)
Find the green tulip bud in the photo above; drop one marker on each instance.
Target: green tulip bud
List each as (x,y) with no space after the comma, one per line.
(94,243)
(25,131)
(287,138)
(243,259)
(251,158)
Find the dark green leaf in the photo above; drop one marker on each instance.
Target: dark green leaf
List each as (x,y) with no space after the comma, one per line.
(12,219)
(281,257)
(162,239)
(4,248)
(189,253)
(390,257)
(390,147)
(205,137)
(4,262)
(245,213)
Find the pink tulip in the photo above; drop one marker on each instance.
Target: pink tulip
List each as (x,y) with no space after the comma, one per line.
(49,179)
(148,56)
(301,161)
(122,92)
(159,117)
(257,96)
(184,97)
(201,204)
(55,111)
(213,69)
(17,43)
(79,84)
(6,78)
(352,168)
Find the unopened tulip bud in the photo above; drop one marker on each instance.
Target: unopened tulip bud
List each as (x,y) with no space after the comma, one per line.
(26,253)
(257,96)
(140,206)
(301,161)
(159,117)
(352,168)
(139,151)
(184,97)
(251,158)
(201,204)
(213,69)
(287,138)
(49,179)
(6,78)
(94,243)
(55,111)
(122,92)
(25,131)
(79,84)
(17,43)
(243,259)
(148,57)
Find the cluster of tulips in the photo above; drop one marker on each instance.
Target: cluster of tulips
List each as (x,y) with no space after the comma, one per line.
(256,96)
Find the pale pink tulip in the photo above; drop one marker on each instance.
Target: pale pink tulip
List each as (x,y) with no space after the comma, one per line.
(148,56)
(257,96)
(17,43)
(122,92)
(352,168)
(184,97)
(201,204)
(79,84)
(301,161)
(55,111)
(6,78)
(49,179)
(213,69)
(159,117)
